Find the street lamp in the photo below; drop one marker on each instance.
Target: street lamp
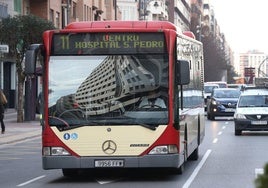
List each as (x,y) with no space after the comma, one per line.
(143,7)
(259,68)
(199,28)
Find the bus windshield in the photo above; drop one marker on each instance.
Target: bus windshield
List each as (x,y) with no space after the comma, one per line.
(108,90)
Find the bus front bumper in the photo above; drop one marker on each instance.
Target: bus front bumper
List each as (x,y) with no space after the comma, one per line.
(147,161)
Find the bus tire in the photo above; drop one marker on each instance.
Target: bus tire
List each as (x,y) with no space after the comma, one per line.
(194,156)
(70,172)
(179,170)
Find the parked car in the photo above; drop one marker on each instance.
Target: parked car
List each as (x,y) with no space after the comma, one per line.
(208,88)
(252,110)
(222,102)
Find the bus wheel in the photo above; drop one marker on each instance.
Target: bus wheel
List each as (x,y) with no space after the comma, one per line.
(70,172)
(194,155)
(177,170)
(180,169)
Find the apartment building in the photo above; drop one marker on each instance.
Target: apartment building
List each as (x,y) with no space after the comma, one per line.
(253,59)
(65,11)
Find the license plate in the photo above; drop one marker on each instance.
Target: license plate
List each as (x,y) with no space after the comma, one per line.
(109,163)
(229,109)
(258,122)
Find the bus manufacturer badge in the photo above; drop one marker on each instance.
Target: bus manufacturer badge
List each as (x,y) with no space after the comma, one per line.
(109,147)
(258,116)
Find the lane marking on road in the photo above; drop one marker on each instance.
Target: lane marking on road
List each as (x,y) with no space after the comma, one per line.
(219,133)
(196,170)
(30,181)
(223,127)
(258,171)
(215,140)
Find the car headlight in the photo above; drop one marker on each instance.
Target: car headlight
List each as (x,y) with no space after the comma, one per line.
(214,102)
(239,116)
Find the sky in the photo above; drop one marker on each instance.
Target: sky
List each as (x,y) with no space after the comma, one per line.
(244,23)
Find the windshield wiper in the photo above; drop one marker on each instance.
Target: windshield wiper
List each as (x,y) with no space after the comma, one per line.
(74,126)
(70,127)
(151,127)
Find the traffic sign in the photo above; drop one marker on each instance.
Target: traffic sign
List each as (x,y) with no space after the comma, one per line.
(4,48)
(247,78)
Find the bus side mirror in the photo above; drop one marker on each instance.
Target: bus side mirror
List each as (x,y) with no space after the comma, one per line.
(30,62)
(183,72)
(31,57)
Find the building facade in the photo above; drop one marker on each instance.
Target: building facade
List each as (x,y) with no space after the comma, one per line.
(8,75)
(252,59)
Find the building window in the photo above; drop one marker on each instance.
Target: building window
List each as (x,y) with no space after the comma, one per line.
(17,6)
(74,10)
(85,13)
(3,11)
(90,14)
(57,19)
(51,16)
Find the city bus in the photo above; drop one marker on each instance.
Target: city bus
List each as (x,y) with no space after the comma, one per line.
(119,94)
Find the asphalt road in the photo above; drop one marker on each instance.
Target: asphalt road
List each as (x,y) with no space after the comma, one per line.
(225,161)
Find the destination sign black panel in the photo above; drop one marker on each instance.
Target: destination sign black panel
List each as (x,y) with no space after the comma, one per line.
(107,43)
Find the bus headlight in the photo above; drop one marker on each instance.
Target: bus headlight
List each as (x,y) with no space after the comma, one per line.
(167,149)
(47,151)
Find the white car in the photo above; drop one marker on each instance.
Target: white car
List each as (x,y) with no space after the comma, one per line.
(252,110)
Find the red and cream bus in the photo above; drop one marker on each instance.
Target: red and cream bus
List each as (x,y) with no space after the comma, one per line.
(119,94)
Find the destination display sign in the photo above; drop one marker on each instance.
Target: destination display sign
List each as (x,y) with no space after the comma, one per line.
(107,43)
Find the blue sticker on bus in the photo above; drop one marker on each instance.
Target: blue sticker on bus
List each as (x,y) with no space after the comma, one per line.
(74,136)
(66,136)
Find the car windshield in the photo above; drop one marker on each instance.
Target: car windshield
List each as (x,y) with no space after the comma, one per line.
(253,101)
(209,89)
(226,93)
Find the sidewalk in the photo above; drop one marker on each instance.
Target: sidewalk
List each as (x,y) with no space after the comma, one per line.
(16,132)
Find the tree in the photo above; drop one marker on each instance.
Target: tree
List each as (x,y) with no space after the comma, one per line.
(214,58)
(19,32)
(231,74)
